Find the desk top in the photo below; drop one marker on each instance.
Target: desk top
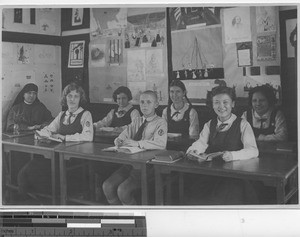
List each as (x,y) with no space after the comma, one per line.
(29,141)
(93,151)
(266,165)
(6,135)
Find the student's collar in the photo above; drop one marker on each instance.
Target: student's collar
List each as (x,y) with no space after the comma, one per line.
(229,121)
(28,103)
(183,109)
(76,112)
(149,119)
(128,107)
(265,115)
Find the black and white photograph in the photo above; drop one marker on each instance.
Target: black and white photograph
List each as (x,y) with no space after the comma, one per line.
(150,106)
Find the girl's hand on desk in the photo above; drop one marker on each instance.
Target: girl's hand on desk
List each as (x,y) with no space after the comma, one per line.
(227,156)
(118,142)
(130,142)
(59,136)
(34,127)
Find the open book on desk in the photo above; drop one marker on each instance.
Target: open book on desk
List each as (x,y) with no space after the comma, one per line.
(124,149)
(45,137)
(204,156)
(168,156)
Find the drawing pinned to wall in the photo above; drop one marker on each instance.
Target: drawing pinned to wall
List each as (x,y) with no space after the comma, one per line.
(77,16)
(265,19)
(136,89)
(237,25)
(107,21)
(154,61)
(115,51)
(46,26)
(44,54)
(76,54)
(188,17)
(266,48)
(24,54)
(136,65)
(145,30)
(97,55)
(48,82)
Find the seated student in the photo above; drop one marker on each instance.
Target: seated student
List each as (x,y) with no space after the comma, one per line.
(267,121)
(75,124)
(180,115)
(148,132)
(120,117)
(231,135)
(27,111)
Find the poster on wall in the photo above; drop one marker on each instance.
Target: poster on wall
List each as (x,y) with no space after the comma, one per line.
(237,25)
(145,29)
(190,17)
(77,16)
(76,54)
(154,61)
(136,65)
(265,19)
(107,22)
(24,52)
(244,54)
(266,48)
(97,55)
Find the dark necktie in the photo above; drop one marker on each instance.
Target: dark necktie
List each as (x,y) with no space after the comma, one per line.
(177,112)
(69,119)
(138,135)
(262,121)
(221,127)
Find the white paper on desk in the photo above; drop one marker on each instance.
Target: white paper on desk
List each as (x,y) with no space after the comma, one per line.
(124,149)
(171,135)
(42,134)
(106,129)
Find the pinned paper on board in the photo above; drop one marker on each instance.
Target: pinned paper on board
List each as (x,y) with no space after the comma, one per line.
(44,54)
(265,19)
(136,65)
(154,61)
(136,88)
(107,21)
(76,54)
(48,82)
(24,54)
(46,26)
(77,16)
(237,25)
(266,48)
(97,55)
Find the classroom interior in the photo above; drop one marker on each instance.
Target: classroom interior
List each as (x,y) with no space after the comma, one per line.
(145,48)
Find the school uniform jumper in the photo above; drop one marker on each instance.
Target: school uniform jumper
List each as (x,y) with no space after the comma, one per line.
(35,176)
(237,137)
(269,127)
(184,121)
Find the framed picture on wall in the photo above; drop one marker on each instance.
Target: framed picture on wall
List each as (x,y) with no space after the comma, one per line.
(77,16)
(76,54)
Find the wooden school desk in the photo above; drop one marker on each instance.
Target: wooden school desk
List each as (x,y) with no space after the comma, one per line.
(93,151)
(29,145)
(105,137)
(272,169)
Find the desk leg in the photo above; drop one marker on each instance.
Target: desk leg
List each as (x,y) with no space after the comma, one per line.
(144,184)
(181,187)
(63,179)
(7,176)
(159,199)
(280,190)
(53,185)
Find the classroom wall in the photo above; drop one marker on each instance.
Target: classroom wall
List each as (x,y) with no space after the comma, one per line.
(24,62)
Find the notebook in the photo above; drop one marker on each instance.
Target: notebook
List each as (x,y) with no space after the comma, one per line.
(124,149)
(168,156)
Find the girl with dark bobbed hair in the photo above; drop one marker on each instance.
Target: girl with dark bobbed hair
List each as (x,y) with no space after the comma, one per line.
(267,121)
(120,117)
(27,111)
(180,114)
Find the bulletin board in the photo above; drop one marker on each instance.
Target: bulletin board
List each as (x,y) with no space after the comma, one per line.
(127,47)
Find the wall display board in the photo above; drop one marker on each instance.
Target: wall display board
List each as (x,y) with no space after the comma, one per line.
(128,47)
